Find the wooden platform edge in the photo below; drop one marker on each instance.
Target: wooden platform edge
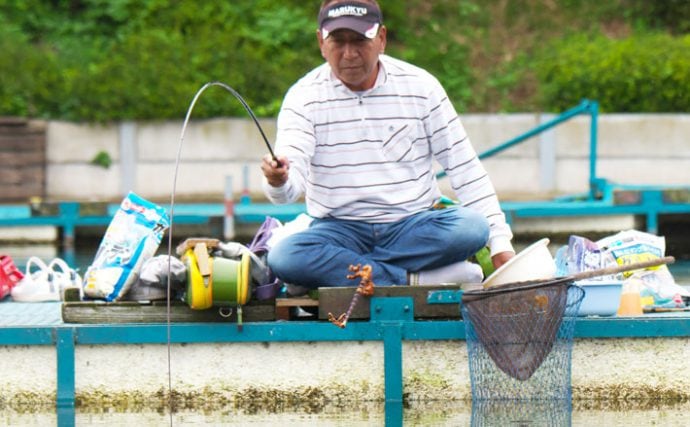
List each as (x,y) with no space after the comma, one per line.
(297,302)
(337,300)
(140,312)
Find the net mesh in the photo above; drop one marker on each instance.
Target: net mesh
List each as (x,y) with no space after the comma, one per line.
(519,339)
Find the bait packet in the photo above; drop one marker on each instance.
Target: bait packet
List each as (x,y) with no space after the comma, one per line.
(132,237)
(633,246)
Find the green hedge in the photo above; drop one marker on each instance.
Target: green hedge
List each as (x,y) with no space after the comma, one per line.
(640,73)
(102,60)
(30,77)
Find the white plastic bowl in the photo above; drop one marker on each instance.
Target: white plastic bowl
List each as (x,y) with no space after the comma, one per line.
(535,262)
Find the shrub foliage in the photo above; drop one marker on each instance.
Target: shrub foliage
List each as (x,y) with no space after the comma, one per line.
(646,73)
(102,60)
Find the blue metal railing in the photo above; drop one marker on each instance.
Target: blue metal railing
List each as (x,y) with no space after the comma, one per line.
(585,107)
(599,199)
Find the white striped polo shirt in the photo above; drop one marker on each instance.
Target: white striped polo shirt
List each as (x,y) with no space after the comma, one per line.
(369,155)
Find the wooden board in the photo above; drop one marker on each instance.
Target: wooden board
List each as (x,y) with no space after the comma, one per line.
(337,301)
(284,306)
(22,159)
(194,242)
(156,312)
(296,302)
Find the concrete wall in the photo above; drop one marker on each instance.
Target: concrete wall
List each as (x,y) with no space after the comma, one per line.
(605,370)
(633,149)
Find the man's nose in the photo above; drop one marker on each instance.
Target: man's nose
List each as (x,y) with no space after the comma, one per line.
(350,50)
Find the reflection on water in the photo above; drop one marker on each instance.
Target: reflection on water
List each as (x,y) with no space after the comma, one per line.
(450,413)
(552,413)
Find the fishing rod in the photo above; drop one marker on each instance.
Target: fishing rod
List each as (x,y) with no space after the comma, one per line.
(172,210)
(244,104)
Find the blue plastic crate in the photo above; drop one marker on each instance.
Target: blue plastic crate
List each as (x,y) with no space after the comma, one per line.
(602,297)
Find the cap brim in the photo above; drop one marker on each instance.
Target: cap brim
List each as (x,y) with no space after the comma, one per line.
(367,29)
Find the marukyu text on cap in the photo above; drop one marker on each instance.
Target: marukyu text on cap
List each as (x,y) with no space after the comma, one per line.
(363,18)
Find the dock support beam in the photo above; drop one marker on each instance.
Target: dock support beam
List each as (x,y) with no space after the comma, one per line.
(391,312)
(69,214)
(65,367)
(652,200)
(229,211)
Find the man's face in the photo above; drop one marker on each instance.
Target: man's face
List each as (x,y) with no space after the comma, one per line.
(353,57)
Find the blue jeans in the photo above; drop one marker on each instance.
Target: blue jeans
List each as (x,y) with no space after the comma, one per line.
(321,255)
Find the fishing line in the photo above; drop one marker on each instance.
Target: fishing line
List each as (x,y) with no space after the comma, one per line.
(172,212)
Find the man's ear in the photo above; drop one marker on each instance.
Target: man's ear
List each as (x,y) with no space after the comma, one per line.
(382,35)
(319,37)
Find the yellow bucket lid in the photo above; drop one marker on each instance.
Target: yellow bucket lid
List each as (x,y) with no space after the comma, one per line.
(199,295)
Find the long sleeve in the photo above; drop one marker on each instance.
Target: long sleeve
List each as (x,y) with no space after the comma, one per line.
(296,141)
(470,181)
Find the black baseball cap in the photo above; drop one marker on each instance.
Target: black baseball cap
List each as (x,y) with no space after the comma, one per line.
(364,18)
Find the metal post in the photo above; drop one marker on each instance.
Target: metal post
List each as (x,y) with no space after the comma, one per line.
(69,214)
(229,215)
(652,200)
(66,416)
(595,184)
(394,414)
(391,313)
(128,157)
(547,156)
(392,362)
(65,367)
(245,198)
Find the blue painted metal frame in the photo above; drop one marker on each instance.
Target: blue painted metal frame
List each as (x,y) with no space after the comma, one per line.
(650,206)
(391,323)
(599,200)
(68,216)
(65,367)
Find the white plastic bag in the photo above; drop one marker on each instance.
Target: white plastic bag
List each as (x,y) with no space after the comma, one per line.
(153,280)
(300,223)
(64,276)
(583,254)
(633,246)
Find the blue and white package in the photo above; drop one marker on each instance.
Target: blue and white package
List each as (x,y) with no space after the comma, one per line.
(133,236)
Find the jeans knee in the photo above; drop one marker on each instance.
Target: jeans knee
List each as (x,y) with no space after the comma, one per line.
(473,231)
(482,229)
(280,264)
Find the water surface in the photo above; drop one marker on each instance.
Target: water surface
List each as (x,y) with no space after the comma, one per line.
(367,414)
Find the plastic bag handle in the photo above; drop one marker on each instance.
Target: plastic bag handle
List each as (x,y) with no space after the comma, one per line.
(59,262)
(40,264)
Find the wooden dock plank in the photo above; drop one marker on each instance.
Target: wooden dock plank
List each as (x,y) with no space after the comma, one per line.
(296,302)
(337,301)
(136,312)
(284,305)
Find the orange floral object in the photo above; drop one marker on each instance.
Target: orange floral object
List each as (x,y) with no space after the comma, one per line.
(365,288)
(366,285)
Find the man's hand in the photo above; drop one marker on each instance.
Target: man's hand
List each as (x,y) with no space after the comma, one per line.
(501,258)
(276,173)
